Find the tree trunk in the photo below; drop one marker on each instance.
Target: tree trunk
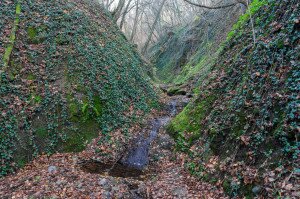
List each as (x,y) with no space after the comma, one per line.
(144,49)
(135,20)
(117,12)
(124,14)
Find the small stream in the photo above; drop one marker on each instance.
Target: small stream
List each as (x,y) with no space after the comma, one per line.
(137,157)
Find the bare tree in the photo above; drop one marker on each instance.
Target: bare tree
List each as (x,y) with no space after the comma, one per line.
(106,3)
(144,49)
(135,23)
(117,12)
(146,21)
(125,12)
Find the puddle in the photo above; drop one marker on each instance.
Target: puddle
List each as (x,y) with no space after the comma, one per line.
(118,170)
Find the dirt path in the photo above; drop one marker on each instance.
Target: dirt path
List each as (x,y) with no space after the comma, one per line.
(67,176)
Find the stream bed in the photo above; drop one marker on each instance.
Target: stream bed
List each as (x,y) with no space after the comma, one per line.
(134,162)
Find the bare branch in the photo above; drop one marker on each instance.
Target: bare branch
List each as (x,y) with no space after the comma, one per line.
(211,7)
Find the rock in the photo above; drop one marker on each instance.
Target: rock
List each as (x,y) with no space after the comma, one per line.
(103,182)
(52,169)
(120,195)
(234,183)
(180,192)
(256,189)
(142,189)
(79,186)
(296,194)
(116,189)
(106,195)
(165,142)
(184,102)
(176,91)
(164,88)
(59,182)
(38,194)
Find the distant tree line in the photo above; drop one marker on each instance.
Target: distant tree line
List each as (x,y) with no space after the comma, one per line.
(145,21)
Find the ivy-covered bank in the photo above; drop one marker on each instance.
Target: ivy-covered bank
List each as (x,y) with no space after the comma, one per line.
(242,129)
(67,74)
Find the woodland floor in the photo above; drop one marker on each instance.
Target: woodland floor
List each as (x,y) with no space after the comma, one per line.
(61,176)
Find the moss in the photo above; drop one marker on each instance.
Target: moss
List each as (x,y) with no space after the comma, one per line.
(227,186)
(176,91)
(18,8)
(77,140)
(98,105)
(280,44)
(61,40)
(84,115)
(172,91)
(11,75)
(86,110)
(12,38)
(253,8)
(73,109)
(189,70)
(7,53)
(180,123)
(237,130)
(83,131)
(247,191)
(189,119)
(31,77)
(21,162)
(73,106)
(37,99)
(36,35)
(32,33)
(41,132)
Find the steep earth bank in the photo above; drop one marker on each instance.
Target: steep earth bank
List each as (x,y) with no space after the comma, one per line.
(241,130)
(68,74)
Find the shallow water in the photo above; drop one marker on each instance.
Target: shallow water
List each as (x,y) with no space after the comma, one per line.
(137,157)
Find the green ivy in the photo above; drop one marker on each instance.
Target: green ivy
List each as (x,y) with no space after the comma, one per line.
(81,77)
